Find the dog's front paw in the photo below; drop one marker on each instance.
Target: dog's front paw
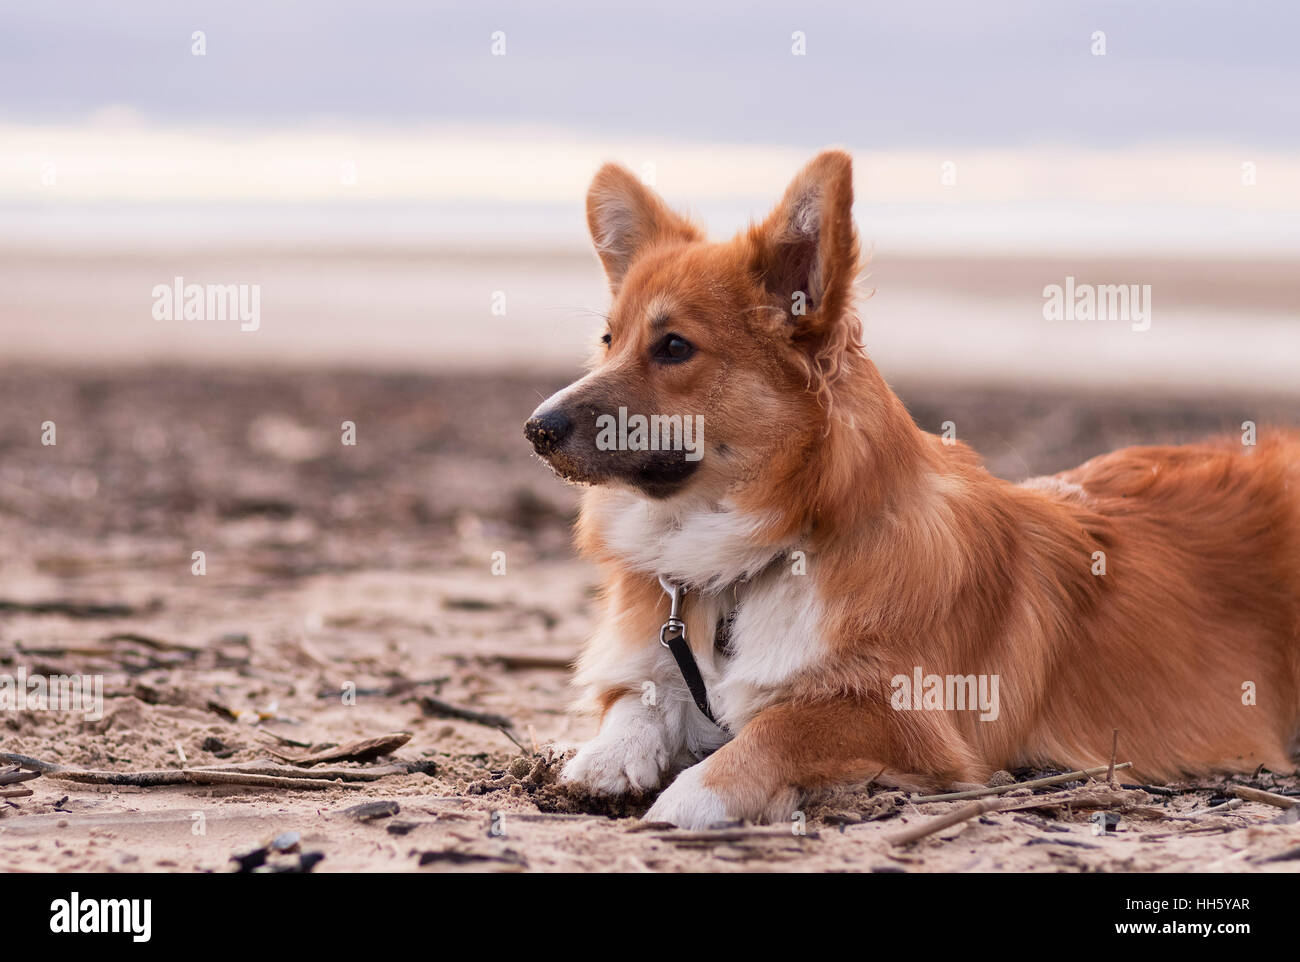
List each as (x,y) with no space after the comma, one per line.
(688,803)
(629,755)
(614,768)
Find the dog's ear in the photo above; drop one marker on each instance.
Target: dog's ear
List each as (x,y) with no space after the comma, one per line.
(625,217)
(806,252)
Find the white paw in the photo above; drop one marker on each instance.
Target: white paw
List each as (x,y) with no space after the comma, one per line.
(614,768)
(629,755)
(687,803)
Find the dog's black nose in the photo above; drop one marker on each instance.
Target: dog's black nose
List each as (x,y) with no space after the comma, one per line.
(547,431)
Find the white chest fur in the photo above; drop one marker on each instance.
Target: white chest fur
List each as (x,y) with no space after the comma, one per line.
(777,631)
(705,546)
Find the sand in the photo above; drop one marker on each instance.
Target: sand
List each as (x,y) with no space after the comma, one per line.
(1216,324)
(368,569)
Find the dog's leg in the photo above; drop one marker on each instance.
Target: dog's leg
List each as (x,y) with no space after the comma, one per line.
(631,752)
(649,725)
(789,749)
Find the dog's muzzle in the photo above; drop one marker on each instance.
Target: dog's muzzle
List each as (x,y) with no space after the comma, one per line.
(547,431)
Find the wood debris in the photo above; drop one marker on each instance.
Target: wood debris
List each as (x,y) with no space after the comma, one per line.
(364,750)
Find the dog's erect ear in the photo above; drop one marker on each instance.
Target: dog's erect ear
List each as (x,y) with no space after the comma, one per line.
(625,217)
(806,252)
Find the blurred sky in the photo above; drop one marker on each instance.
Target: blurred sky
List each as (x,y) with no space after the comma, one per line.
(112,130)
(918,74)
(316,145)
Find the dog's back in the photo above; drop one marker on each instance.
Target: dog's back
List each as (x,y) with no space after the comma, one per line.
(1193,647)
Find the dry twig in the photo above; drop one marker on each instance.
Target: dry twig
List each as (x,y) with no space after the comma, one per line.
(1086,797)
(438,708)
(954,817)
(1268,798)
(1003,789)
(359,751)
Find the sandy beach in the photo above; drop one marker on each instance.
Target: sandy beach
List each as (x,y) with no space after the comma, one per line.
(349,592)
(1216,325)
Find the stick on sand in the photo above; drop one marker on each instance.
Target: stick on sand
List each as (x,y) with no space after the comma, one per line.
(1268,798)
(1003,789)
(954,817)
(1085,797)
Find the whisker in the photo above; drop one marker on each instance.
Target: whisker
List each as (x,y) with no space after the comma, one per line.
(577,309)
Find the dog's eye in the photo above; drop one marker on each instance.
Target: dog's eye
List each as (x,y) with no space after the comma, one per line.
(606,338)
(672,349)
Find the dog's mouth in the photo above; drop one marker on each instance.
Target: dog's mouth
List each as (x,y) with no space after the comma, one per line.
(657,477)
(570,469)
(662,477)
(581,451)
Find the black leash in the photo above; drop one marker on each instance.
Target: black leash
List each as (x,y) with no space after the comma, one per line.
(673,637)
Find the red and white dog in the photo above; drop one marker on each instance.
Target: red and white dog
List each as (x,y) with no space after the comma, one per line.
(867,575)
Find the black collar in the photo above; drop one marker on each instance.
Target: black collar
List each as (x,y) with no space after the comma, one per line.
(673,637)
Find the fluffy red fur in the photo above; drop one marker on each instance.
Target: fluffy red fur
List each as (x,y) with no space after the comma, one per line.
(919,556)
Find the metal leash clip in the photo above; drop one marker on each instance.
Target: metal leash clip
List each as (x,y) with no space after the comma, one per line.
(674,626)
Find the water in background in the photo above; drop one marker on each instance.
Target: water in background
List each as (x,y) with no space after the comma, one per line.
(957,293)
